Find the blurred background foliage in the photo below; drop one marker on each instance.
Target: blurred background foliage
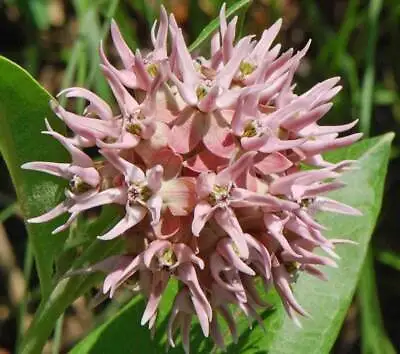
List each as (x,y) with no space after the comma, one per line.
(57,42)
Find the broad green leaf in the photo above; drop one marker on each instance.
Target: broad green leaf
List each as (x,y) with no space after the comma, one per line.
(24,105)
(69,289)
(213,25)
(125,329)
(327,302)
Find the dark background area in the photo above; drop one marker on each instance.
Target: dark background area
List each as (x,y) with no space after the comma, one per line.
(57,42)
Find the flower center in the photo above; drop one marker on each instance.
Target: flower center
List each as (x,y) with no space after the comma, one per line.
(246,68)
(167,259)
(293,269)
(220,195)
(138,193)
(305,203)
(132,126)
(250,130)
(152,69)
(203,88)
(78,186)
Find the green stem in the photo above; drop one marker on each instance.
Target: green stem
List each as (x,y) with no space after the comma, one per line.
(373,337)
(28,265)
(110,13)
(58,335)
(8,212)
(375,7)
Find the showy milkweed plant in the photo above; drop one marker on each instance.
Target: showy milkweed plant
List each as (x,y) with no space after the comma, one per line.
(204,158)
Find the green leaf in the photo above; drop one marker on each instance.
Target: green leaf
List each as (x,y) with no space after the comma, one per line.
(213,25)
(23,106)
(69,289)
(123,332)
(389,258)
(327,302)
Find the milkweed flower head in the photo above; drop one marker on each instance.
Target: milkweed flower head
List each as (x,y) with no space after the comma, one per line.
(202,156)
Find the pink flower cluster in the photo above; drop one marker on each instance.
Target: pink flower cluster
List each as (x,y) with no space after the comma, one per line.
(203,156)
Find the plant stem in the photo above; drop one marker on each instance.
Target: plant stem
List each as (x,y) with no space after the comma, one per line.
(58,335)
(375,7)
(8,212)
(28,265)
(373,336)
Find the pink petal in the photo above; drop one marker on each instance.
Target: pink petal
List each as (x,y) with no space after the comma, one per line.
(168,226)
(170,161)
(97,105)
(187,131)
(202,213)
(227,220)
(232,172)
(131,172)
(127,77)
(185,254)
(226,75)
(205,184)
(125,141)
(326,204)
(159,283)
(205,161)
(225,249)
(154,177)
(123,49)
(51,214)
(133,216)
(320,146)
(154,205)
(89,128)
(244,198)
(266,40)
(275,227)
(108,196)
(218,139)
(179,195)
(126,102)
(142,76)
(155,248)
(272,163)
(227,40)
(209,102)
(79,158)
(52,168)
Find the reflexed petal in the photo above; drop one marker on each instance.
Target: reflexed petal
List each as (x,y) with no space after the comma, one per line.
(131,172)
(218,139)
(327,204)
(205,161)
(52,168)
(187,131)
(123,50)
(108,196)
(205,184)
(232,172)
(202,213)
(51,214)
(97,104)
(132,217)
(179,195)
(154,205)
(154,177)
(272,163)
(227,220)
